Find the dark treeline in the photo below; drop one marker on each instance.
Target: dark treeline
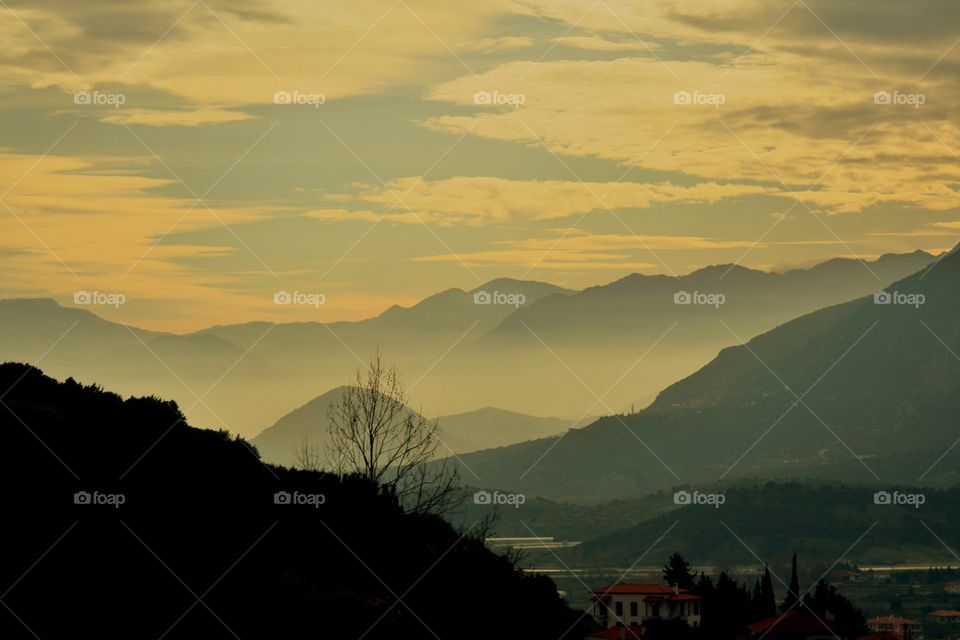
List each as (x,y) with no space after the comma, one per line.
(200,548)
(730,606)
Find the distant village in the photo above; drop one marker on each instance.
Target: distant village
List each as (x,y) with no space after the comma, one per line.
(685,606)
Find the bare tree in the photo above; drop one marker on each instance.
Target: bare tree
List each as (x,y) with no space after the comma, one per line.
(309,455)
(375,434)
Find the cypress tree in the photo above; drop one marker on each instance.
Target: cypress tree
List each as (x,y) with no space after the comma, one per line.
(793,594)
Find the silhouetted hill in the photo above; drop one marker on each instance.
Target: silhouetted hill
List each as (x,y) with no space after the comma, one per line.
(483,428)
(491,427)
(773,520)
(122,521)
(880,389)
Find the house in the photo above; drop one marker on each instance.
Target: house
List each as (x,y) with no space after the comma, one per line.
(903,628)
(945,616)
(795,625)
(952,587)
(633,604)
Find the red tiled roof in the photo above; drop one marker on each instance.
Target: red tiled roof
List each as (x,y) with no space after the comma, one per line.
(638,588)
(791,622)
(945,613)
(684,596)
(613,633)
(892,620)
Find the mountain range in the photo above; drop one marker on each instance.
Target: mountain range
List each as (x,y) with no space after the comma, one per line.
(527,347)
(863,391)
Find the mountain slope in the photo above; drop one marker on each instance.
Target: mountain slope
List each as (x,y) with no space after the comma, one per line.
(121,502)
(772,520)
(629,339)
(483,428)
(880,386)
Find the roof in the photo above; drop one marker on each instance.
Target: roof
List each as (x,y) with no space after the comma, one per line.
(897,620)
(945,613)
(613,633)
(791,622)
(640,588)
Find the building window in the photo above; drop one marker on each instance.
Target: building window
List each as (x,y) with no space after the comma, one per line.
(619,609)
(633,609)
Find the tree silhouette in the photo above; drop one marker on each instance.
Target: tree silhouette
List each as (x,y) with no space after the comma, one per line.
(375,434)
(677,572)
(793,592)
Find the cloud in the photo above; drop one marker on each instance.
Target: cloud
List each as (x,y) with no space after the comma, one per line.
(793,125)
(493,45)
(594,43)
(179,118)
(573,249)
(240,53)
(493,200)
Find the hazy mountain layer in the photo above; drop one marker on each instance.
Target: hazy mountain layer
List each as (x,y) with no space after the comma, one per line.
(859,391)
(484,428)
(529,347)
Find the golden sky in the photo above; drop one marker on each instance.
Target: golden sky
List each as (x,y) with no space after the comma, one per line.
(200,156)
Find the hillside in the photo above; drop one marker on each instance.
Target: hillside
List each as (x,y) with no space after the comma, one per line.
(121,505)
(460,433)
(818,521)
(881,401)
(629,339)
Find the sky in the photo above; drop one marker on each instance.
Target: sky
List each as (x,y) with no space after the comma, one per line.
(198,157)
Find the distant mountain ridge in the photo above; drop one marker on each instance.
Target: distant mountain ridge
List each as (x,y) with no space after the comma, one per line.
(552,354)
(484,428)
(879,401)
